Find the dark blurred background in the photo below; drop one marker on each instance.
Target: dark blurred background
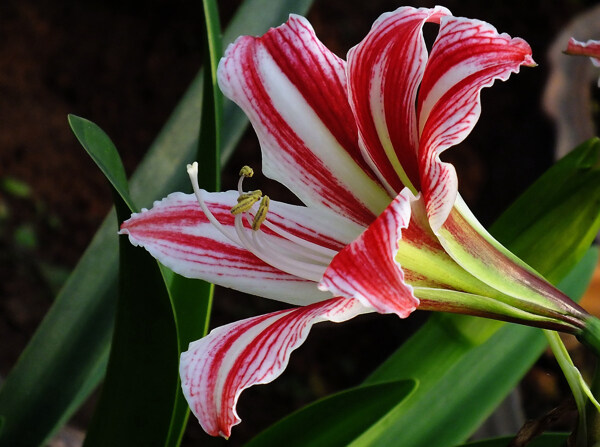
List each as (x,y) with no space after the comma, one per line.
(124,65)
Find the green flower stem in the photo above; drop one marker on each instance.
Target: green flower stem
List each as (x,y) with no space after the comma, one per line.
(593,415)
(573,377)
(590,338)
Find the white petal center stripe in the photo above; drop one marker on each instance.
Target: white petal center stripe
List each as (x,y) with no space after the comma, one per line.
(315,135)
(377,104)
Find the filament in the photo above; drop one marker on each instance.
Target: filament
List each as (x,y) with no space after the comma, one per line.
(289,253)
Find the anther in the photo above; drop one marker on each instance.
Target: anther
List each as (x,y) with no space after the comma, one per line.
(246,171)
(245,203)
(261,214)
(257,193)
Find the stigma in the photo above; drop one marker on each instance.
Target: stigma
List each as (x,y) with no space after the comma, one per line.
(246,200)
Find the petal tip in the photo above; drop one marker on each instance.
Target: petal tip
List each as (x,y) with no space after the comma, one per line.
(217,368)
(529,62)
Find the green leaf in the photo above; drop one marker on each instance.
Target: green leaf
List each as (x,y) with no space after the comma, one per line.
(67,356)
(99,146)
(145,352)
(336,419)
(571,188)
(25,237)
(209,168)
(158,352)
(15,187)
(545,440)
(139,391)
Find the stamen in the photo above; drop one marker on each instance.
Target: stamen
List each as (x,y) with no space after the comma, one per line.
(246,199)
(261,214)
(245,202)
(286,247)
(246,171)
(324,252)
(245,195)
(285,263)
(290,253)
(305,250)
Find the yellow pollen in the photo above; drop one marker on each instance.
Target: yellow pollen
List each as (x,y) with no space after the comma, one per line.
(261,214)
(246,171)
(245,203)
(246,195)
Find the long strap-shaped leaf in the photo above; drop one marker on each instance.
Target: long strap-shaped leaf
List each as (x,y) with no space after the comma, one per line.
(66,358)
(144,352)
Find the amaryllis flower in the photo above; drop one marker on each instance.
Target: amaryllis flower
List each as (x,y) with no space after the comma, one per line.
(383,228)
(590,48)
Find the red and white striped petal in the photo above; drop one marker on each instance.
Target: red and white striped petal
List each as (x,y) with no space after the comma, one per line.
(217,368)
(590,48)
(384,73)
(293,90)
(178,234)
(467,56)
(367,269)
